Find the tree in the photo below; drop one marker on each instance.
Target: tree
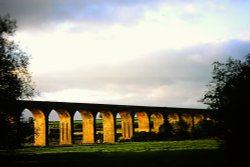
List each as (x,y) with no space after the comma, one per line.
(15,79)
(229,95)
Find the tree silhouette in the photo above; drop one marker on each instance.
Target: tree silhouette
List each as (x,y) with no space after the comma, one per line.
(15,79)
(229,95)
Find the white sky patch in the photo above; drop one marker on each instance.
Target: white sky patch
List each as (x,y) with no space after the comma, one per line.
(189,8)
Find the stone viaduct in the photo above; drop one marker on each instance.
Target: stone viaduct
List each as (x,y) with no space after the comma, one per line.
(128,113)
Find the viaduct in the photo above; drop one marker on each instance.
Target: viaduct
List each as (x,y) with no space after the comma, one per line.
(128,114)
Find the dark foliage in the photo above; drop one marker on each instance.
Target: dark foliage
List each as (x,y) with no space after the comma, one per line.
(229,95)
(207,128)
(143,136)
(165,131)
(8,129)
(15,80)
(27,130)
(180,129)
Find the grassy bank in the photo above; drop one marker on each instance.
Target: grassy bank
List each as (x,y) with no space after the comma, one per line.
(157,154)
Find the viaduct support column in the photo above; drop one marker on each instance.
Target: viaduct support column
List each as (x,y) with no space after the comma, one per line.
(108,127)
(126,125)
(88,130)
(158,120)
(193,121)
(40,128)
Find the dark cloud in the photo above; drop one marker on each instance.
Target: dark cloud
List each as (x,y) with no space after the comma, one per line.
(42,13)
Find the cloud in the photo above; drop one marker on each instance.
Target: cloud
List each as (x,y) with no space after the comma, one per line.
(163,67)
(44,14)
(128,52)
(30,13)
(170,77)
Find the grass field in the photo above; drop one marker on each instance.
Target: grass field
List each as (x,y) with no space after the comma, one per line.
(140,154)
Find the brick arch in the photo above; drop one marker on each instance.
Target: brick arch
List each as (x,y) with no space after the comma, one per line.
(173,118)
(126,125)
(198,118)
(108,126)
(187,118)
(39,127)
(143,122)
(158,120)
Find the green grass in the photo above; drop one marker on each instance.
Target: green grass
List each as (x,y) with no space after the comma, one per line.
(126,147)
(156,154)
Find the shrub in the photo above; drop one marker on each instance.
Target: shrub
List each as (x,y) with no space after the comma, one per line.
(143,136)
(180,129)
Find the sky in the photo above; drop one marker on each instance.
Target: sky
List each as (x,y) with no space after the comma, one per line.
(129,52)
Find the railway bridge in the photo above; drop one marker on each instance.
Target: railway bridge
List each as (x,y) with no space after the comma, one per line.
(108,112)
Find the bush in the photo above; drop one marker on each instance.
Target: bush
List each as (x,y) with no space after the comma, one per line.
(207,128)
(27,130)
(143,136)
(180,129)
(165,132)
(9,135)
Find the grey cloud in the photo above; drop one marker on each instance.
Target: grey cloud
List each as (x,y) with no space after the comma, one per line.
(43,13)
(176,78)
(190,65)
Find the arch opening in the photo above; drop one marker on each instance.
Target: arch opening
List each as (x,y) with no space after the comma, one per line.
(53,128)
(99,128)
(77,128)
(118,122)
(173,118)
(34,127)
(126,125)
(27,129)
